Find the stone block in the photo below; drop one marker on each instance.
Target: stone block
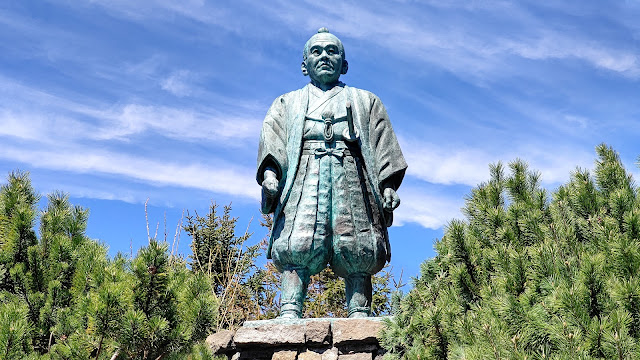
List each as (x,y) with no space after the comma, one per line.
(270,335)
(221,341)
(330,354)
(350,331)
(318,332)
(285,355)
(310,354)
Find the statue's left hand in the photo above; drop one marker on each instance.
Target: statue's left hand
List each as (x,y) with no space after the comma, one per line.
(270,184)
(391,199)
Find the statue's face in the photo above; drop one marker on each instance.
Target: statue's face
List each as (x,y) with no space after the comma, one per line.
(324,61)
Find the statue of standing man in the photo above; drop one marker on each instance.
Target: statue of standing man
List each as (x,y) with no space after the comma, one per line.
(329,165)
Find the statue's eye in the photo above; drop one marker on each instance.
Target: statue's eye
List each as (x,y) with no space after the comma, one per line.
(315,52)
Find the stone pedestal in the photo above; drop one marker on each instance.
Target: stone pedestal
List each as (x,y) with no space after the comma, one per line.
(301,339)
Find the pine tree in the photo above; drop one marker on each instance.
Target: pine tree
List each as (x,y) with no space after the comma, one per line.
(528,276)
(223,258)
(216,250)
(17,239)
(14,329)
(62,297)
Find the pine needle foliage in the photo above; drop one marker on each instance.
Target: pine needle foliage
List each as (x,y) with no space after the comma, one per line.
(530,276)
(62,297)
(228,264)
(216,250)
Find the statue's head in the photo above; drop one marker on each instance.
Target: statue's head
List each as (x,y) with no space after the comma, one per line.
(323,58)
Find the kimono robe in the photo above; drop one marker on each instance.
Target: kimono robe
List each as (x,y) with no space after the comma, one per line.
(329,206)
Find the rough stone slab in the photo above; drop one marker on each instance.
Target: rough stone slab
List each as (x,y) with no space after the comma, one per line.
(349,331)
(310,354)
(331,354)
(318,332)
(270,335)
(221,341)
(285,355)
(358,356)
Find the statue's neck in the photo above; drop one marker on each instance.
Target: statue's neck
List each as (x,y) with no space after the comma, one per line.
(325,87)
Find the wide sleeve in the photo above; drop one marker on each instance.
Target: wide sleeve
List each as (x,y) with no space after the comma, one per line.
(390,163)
(272,150)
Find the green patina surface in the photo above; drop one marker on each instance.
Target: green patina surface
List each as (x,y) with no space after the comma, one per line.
(329,165)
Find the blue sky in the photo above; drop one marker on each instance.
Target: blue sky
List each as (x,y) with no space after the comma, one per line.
(119,101)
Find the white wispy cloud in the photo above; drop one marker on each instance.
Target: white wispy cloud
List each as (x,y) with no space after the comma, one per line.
(422,31)
(198,10)
(470,47)
(550,44)
(219,176)
(146,68)
(47,131)
(440,164)
(96,192)
(434,206)
(178,83)
(41,126)
(30,38)
(35,114)
(444,165)
(183,124)
(426,207)
(577,120)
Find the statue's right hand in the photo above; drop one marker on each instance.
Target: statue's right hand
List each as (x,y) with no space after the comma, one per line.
(270,184)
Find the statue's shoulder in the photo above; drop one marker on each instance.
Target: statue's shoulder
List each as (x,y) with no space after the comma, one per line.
(292,95)
(365,95)
(286,100)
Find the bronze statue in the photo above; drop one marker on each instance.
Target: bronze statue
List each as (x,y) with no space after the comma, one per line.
(329,165)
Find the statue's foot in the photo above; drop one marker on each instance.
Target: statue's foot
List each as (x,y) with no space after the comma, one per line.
(289,314)
(358,314)
(358,291)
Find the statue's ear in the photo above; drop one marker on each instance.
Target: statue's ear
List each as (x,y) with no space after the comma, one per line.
(303,67)
(345,67)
